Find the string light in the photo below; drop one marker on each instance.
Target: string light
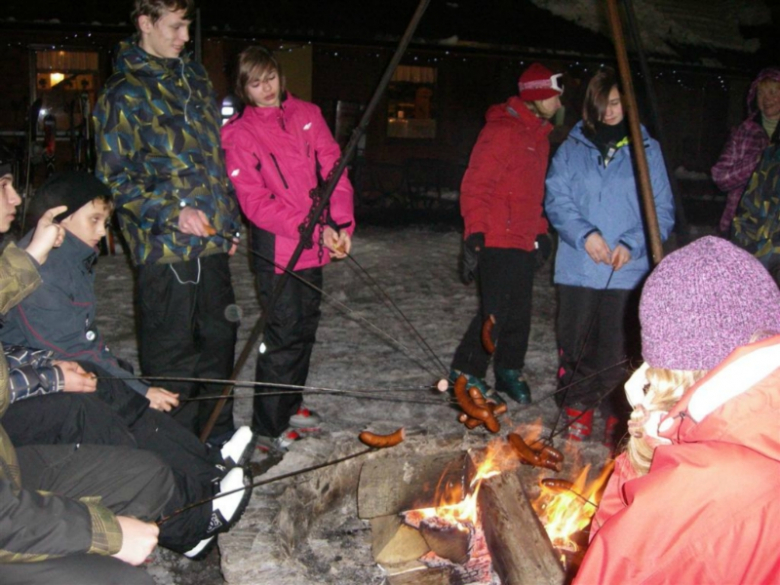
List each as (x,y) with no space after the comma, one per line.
(106,40)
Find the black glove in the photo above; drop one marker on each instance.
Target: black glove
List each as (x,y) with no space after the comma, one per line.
(543,249)
(470,256)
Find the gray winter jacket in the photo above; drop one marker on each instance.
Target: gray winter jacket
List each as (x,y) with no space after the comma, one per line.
(35,526)
(60,315)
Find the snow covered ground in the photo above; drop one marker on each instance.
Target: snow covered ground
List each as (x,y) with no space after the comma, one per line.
(374,361)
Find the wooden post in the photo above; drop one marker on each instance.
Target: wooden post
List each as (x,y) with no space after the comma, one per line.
(645,187)
(681,223)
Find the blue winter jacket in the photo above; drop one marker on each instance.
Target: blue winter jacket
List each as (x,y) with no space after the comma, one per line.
(583,195)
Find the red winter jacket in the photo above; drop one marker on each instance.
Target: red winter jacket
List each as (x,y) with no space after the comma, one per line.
(502,191)
(708,510)
(271,156)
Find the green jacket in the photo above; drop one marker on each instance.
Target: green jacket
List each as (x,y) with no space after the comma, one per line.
(158,148)
(35,526)
(756,225)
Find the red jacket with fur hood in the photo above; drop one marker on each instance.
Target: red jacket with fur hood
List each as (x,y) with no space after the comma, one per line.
(502,191)
(708,510)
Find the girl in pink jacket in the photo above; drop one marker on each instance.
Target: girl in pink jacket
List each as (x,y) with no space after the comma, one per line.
(277,150)
(694,498)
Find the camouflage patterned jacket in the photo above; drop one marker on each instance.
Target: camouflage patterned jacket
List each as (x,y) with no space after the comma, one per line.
(756,225)
(158,149)
(34,525)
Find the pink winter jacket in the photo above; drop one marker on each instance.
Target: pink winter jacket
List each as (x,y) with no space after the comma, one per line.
(271,156)
(708,510)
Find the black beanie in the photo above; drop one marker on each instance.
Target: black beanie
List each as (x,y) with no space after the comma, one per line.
(7,160)
(72,188)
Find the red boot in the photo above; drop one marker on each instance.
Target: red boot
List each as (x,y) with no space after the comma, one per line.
(579,423)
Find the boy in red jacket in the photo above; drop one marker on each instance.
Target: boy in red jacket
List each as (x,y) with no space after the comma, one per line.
(501,203)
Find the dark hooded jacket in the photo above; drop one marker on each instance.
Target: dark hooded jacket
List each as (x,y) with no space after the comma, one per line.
(756,226)
(35,526)
(158,148)
(60,314)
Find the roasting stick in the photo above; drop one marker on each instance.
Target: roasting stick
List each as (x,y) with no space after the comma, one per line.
(347,310)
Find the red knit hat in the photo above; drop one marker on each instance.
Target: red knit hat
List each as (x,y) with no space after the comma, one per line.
(539,83)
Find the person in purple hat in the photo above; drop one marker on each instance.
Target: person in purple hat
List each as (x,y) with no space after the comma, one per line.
(505,232)
(694,497)
(743,150)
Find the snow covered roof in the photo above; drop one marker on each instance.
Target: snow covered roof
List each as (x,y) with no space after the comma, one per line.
(665,24)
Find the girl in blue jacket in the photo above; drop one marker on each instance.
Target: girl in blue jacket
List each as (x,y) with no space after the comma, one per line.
(593,202)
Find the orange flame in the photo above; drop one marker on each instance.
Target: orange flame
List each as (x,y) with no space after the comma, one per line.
(565,513)
(462,511)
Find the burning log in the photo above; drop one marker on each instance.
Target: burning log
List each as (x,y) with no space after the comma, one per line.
(417,573)
(447,540)
(521,551)
(391,486)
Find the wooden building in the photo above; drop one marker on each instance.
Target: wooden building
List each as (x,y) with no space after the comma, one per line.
(334,55)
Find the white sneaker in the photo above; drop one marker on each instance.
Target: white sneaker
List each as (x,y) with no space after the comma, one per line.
(225,511)
(201,549)
(231,506)
(239,448)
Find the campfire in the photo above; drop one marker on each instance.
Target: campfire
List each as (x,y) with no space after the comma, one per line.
(465,518)
(566,508)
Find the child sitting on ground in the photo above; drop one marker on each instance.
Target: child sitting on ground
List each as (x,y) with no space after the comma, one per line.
(694,498)
(69,513)
(60,317)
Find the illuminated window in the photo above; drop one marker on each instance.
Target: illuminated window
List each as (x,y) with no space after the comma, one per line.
(65,82)
(411,111)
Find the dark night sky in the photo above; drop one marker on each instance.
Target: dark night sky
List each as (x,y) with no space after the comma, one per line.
(496,22)
(489,21)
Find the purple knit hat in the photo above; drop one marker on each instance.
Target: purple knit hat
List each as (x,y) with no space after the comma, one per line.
(704,301)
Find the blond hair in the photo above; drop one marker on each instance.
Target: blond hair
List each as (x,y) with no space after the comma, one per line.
(663,390)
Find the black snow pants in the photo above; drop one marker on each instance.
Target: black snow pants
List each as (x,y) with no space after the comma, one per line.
(188,324)
(597,331)
(88,419)
(506,279)
(289,336)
